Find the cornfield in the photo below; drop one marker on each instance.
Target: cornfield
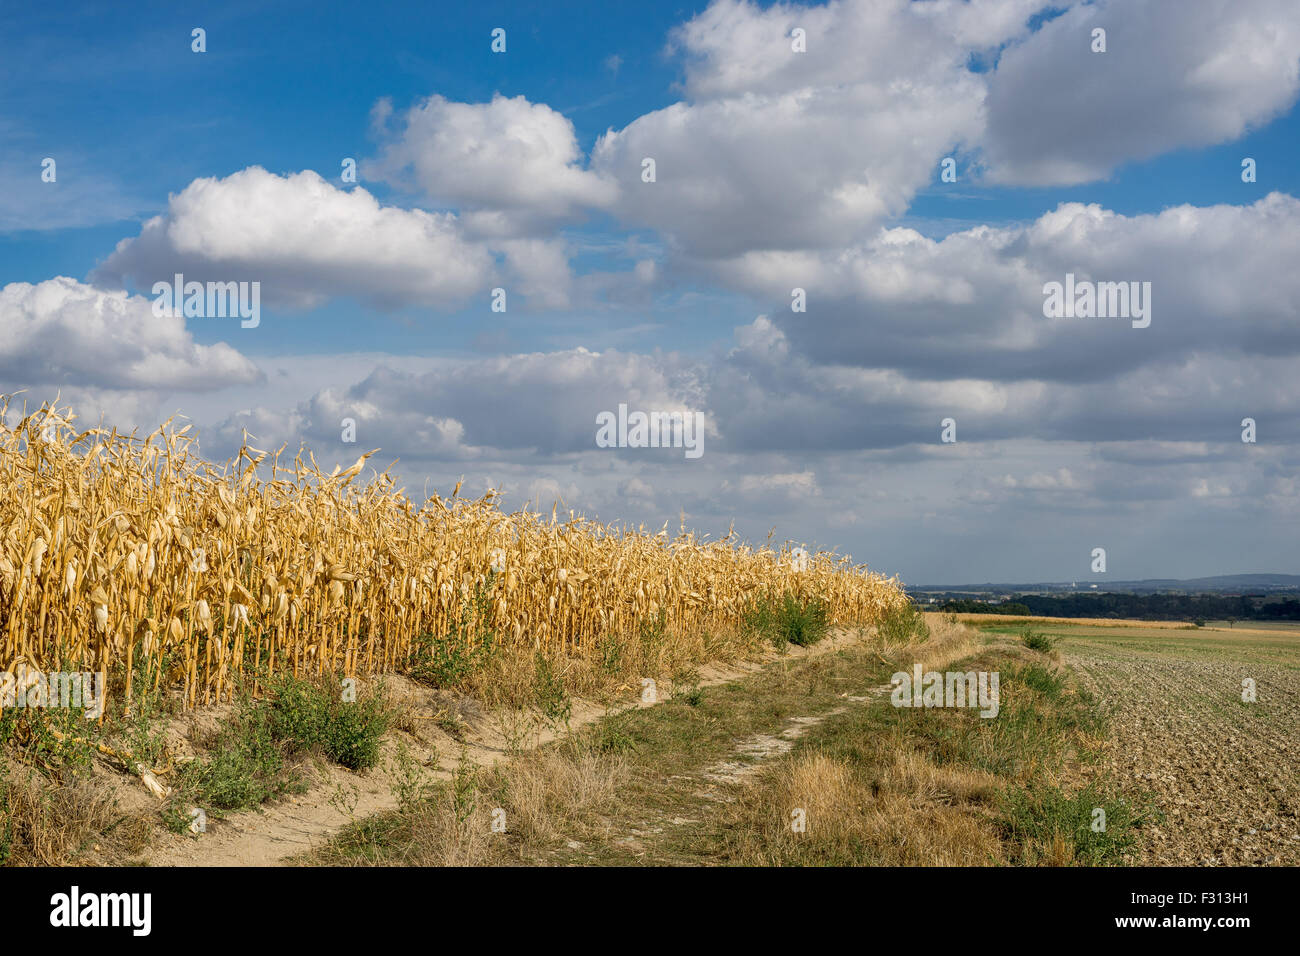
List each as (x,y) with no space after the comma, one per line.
(137,557)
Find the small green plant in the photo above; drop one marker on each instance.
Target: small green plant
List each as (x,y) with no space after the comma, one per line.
(250,759)
(1037,640)
(610,654)
(54,737)
(653,631)
(906,625)
(548,688)
(142,728)
(448,662)
(802,623)
(246,766)
(175,817)
(1093,829)
(686,686)
(788,620)
(308,715)
(411,784)
(464,787)
(760,619)
(470,644)
(611,740)
(448,720)
(345,798)
(6,811)
(614,734)
(515,728)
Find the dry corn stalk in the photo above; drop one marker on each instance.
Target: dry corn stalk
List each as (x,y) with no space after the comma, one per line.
(121,553)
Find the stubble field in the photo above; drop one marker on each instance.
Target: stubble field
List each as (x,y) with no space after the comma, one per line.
(1223,773)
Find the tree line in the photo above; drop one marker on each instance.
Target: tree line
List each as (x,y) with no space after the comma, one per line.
(1144,607)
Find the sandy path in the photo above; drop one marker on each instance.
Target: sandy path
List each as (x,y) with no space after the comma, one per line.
(293,825)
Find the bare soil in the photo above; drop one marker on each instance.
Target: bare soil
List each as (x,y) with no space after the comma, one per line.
(1226,774)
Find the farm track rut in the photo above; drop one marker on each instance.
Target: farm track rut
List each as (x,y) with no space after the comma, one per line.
(291,826)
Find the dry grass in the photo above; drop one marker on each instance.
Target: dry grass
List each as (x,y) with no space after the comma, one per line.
(918,790)
(544,790)
(911,813)
(948,641)
(46,822)
(540,797)
(725,780)
(907,811)
(134,557)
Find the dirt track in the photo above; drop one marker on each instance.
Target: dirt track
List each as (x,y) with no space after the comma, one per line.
(274,834)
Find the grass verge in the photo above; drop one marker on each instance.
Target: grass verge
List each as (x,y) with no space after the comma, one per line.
(803,763)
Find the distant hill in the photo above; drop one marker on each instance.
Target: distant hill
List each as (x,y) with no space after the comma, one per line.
(1235,583)
(1231,582)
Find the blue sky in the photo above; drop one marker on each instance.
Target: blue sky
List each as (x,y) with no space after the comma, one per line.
(819,170)
(294,90)
(120,100)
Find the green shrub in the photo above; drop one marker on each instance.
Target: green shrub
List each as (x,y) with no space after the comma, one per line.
(450,660)
(760,619)
(1036,820)
(802,623)
(788,620)
(246,765)
(610,654)
(1037,640)
(904,626)
(313,715)
(548,689)
(653,631)
(250,758)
